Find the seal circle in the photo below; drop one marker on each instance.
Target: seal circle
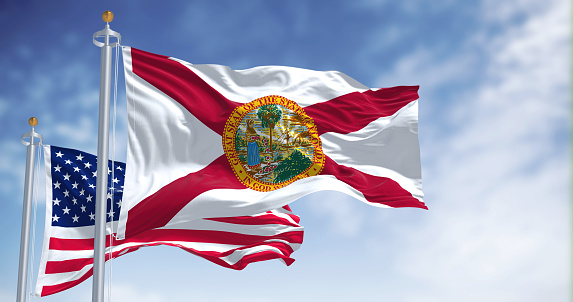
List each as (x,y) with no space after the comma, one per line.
(271,142)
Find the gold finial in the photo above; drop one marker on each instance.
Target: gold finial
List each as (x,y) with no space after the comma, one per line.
(107,16)
(33,121)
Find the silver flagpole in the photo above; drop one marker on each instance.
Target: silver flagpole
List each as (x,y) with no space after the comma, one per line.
(102,155)
(27,208)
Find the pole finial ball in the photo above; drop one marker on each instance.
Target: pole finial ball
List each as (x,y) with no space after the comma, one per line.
(33,121)
(107,16)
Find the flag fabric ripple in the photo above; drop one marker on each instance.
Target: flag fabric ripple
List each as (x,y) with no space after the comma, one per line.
(177,114)
(67,252)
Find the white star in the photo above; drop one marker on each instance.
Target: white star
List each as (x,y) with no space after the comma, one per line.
(115,180)
(75,218)
(76,169)
(57,185)
(119,203)
(59,154)
(75,200)
(92,186)
(83,208)
(68,162)
(108,172)
(119,168)
(89,198)
(66,210)
(79,157)
(67,176)
(94,174)
(84,177)
(109,196)
(57,168)
(55,218)
(75,185)
(92,216)
(87,165)
(57,201)
(82,192)
(110,213)
(67,193)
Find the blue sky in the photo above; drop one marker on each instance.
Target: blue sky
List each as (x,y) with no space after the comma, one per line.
(494,133)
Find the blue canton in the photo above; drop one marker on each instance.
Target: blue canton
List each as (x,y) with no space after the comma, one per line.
(74,175)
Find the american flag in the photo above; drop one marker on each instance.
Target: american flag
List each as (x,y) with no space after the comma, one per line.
(67,253)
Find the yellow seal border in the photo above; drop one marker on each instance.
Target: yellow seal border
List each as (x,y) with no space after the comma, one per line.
(230,131)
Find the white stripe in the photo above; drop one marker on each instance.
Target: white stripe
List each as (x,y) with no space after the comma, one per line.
(237,255)
(256,230)
(387,147)
(286,216)
(59,255)
(85,232)
(203,246)
(304,86)
(47,222)
(215,247)
(59,278)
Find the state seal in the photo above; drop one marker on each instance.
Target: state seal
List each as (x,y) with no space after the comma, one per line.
(271,142)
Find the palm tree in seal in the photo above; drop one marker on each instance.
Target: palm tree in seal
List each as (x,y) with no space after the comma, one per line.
(269,115)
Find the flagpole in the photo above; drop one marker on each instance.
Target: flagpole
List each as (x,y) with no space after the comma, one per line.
(27,208)
(102,155)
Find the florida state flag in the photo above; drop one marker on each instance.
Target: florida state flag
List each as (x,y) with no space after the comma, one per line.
(208,141)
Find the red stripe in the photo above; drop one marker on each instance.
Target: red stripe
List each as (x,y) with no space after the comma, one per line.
(205,236)
(285,248)
(52,289)
(152,212)
(296,218)
(354,111)
(247,259)
(64,244)
(256,220)
(210,236)
(375,189)
(65,266)
(185,87)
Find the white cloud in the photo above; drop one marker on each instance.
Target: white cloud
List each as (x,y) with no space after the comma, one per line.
(12,168)
(80,132)
(496,167)
(498,225)
(504,11)
(422,68)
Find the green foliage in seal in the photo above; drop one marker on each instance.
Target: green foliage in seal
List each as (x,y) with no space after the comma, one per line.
(269,115)
(292,166)
(240,140)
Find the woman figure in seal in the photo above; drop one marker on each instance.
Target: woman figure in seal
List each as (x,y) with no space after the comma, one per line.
(253,159)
